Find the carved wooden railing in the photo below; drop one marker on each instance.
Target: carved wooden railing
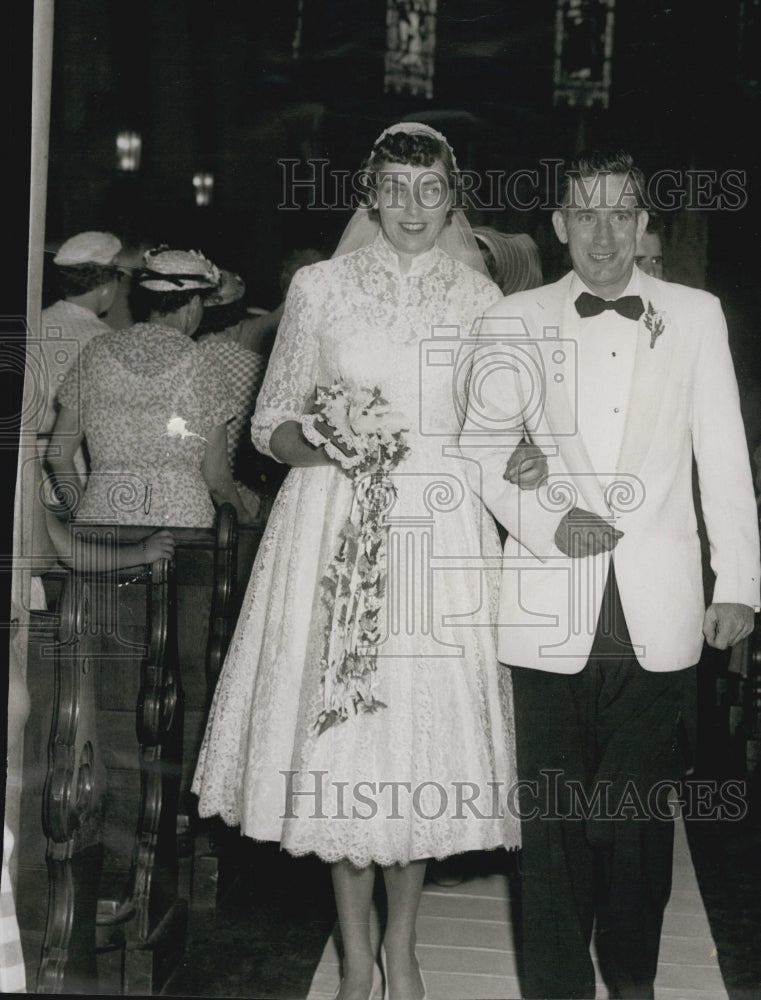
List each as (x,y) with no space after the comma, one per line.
(72,815)
(155,934)
(221,624)
(130,939)
(207,836)
(148,918)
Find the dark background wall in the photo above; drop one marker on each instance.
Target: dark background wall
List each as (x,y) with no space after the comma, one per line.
(216,87)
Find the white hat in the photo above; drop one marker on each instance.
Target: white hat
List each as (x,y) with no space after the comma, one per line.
(516,256)
(168,270)
(88,248)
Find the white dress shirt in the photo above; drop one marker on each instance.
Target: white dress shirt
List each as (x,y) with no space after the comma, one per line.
(606,347)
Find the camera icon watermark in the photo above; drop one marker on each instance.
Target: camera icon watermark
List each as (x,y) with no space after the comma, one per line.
(423,513)
(622,492)
(47,361)
(30,366)
(499,378)
(52,544)
(121,497)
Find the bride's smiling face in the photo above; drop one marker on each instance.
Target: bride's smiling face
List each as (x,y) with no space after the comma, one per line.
(413,203)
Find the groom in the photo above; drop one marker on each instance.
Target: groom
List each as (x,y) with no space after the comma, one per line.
(620,379)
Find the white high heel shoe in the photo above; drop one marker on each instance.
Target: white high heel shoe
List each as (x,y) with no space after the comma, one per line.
(375,990)
(386,994)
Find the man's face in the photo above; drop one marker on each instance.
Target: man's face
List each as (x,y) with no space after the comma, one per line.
(649,254)
(601,225)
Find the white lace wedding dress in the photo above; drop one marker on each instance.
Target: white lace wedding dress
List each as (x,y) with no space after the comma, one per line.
(429,774)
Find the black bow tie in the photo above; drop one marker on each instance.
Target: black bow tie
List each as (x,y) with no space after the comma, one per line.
(628,306)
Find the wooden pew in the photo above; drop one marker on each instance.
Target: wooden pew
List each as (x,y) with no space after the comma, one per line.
(119,677)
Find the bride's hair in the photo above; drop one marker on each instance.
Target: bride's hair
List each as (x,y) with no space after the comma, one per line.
(415,149)
(418,145)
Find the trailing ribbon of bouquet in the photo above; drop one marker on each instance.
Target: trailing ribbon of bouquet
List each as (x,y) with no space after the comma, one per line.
(354,586)
(353,591)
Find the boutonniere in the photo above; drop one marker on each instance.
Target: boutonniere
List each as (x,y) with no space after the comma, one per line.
(655,322)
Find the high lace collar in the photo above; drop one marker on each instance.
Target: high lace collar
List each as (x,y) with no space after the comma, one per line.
(420,264)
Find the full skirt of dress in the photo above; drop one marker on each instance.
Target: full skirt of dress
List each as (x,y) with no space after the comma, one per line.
(429,775)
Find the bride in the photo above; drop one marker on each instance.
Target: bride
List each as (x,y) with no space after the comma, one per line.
(409,755)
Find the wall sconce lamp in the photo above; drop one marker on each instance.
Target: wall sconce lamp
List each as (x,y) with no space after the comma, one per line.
(128,148)
(203,184)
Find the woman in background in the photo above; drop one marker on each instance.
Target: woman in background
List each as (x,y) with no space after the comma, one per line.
(238,347)
(152,409)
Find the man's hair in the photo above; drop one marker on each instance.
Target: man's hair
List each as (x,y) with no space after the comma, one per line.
(593,162)
(654,221)
(78,279)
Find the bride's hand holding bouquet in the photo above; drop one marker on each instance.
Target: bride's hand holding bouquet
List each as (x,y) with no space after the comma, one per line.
(357,427)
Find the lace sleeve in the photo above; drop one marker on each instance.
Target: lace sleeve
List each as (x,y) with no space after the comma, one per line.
(292,370)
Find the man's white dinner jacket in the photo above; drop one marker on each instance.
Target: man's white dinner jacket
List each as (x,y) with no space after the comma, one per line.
(683,399)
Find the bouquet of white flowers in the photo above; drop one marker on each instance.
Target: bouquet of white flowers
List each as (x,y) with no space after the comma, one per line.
(357,428)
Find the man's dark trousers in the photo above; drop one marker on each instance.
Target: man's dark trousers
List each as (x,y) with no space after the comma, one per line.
(610,730)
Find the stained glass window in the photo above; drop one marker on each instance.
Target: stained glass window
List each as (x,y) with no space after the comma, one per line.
(410,46)
(583,50)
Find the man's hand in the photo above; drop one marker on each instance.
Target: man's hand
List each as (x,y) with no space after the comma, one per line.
(582,533)
(727,624)
(526,467)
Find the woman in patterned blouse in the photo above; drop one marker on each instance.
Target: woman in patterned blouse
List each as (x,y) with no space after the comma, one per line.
(153,410)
